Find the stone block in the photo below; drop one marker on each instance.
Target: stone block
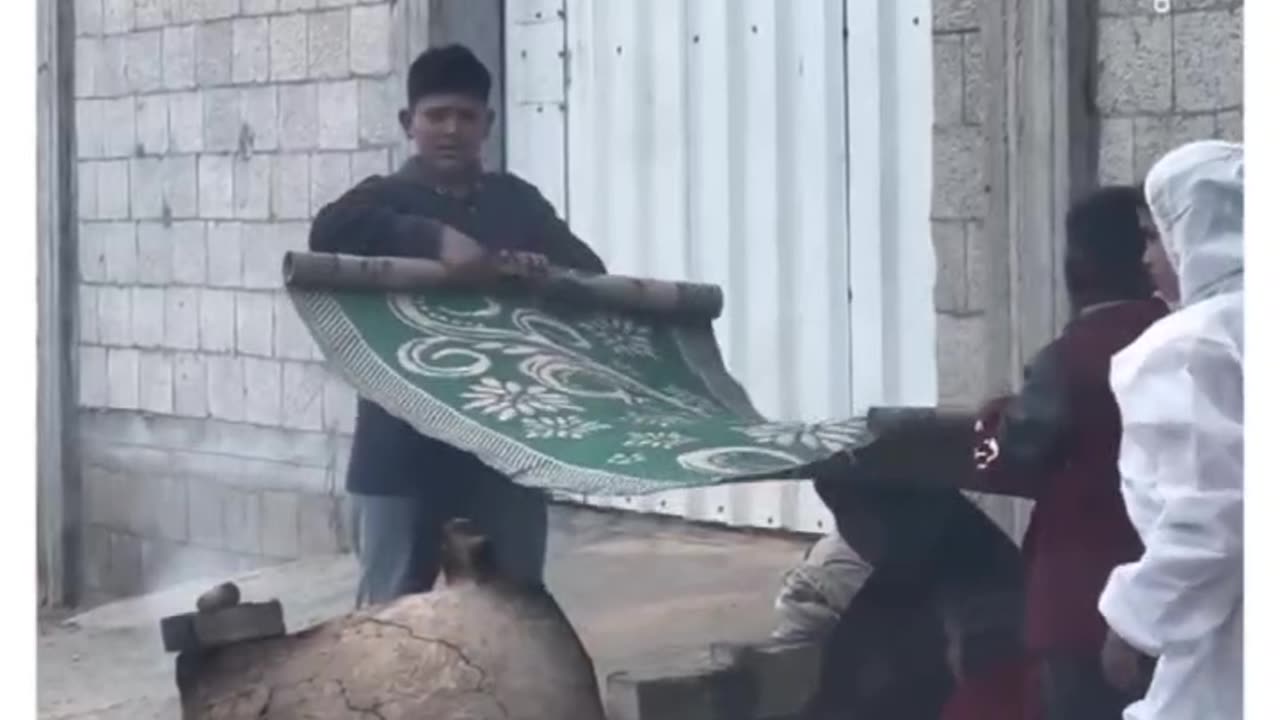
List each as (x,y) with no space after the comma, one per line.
(186,122)
(253,187)
(948,79)
(237,624)
(119,132)
(120,251)
(291,187)
(339,405)
(293,341)
(87,320)
(1208,60)
(109,496)
(302,396)
(115,315)
(225,376)
(1135,55)
(122,378)
(125,564)
(216,180)
(225,253)
(977,86)
(182,318)
(380,102)
(87,190)
(251,40)
(1116,151)
(216,9)
(144,66)
(367,163)
(148,317)
(113,189)
(217,321)
(321,526)
(190,397)
(371,39)
(259,7)
(189,253)
(205,502)
(97,558)
(952,15)
(330,178)
(152,124)
(254,332)
(299,122)
(328,45)
(280,524)
(262,391)
(151,13)
(89,130)
(88,14)
(155,264)
(147,187)
(264,248)
(291,5)
(959,173)
(93,376)
(259,111)
(92,251)
(180,187)
(1155,136)
(215,43)
(692,688)
(88,50)
(977,266)
(950,291)
(962,359)
(288,47)
(110,78)
(179,48)
(242,521)
(155,371)
(222,120)
(338,125)
(1230,126)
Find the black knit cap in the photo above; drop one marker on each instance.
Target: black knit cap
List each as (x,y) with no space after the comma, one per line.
(451,70)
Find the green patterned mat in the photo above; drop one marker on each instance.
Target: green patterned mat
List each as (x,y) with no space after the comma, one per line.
(566,391)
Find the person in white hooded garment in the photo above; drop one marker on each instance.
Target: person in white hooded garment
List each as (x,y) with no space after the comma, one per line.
(1180,392)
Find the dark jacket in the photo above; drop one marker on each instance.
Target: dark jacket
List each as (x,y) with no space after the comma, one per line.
(401,215)
(1058,443)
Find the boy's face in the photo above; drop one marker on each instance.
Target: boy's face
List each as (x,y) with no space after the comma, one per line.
(448,131)
(1157,260)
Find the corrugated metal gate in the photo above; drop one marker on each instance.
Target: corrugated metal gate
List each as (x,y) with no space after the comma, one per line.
(778,148)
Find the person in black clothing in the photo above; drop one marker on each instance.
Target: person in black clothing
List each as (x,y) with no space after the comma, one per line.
(441,205)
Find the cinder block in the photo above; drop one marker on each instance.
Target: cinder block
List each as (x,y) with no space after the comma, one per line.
(146,187)
(217,9)
(148,317)
(1134,57)
(1116,151)
(252,53)
(371,39)
(89,130)
(298,117)
(155,370)
(88,50)
(291,5)
(189,253)
(948,79)
(122,378)
(110,78)
(280,524)
(259,7)
(117,16)
(977,266)
(328,45)
(225,253)
(1230,126)
(951,15)
(87,190)
(693,688)
(217,320)
(119,132)
(93,376)
(977,87)
(288,47)
(320,525)
(259,111)
(240,623)
(950,291)
(125,568)
(181,187)
(253,324)
(339,405)
(151,13)
(88,17)
(182,318)
(380,102)
(293,340)
(962,358)
(214,47)
(222,120)
(302,396)
(87,323)
(144,67)
(115,315)
(1208,69)
(216,179)
(367,163)
(186,122)
(155,263)
(242,521)
(120,251)
(113,189)
(291,187)
(225,375)
(179,48)
(262,391)
(190,394)
(959,173)
(339,119)
(1155,136)
(253,187)
(264,248)
(330,178)
(152,124)
(206,500)
(92,252)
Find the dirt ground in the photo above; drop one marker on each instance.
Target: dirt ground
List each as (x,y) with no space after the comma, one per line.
(637,589)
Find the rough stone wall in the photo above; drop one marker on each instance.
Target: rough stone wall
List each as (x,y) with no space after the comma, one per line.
(1165,79)
(209,132)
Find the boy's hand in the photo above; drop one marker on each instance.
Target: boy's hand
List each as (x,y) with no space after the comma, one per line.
(458,249)
(524,264)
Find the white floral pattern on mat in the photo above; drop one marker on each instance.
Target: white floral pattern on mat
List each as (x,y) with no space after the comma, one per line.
(565,427)
(508,400)
(621,335)
(660,439)
(815,436)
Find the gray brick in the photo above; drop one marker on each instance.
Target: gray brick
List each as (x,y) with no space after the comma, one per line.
(339,405)
(1209,61)
(293,340)
(959,175)
(252,43)
(92,252)
(225,374)
(117,16)
(298,117)
(151,13)
(182,318)
(302,396)
(87,322)
(367,163)
(214,45)
(155,264)
(319,525)
(125,568)
(977,266)
(950,291)
(262,391)
(1153,137)
(1230,126)
(955,14)
(88,14)
(962,348)
(222,120)
(977,87)
(330,177)
(291,187)
(179,47)
(253,187)
(254,332)
(288,47)
(259,7)
(93,376)
(189,254)
(156,394)
(259,111)
(948,79)
(339,117)
(87,190)
(225,254)
(163,514)
(122,378)
(119,133)
(216,9)
(115,316)
(1115,161)
(328,45)
(88,50)
(1135,55)
(264,248)
(206,507)
(113,189)
(216,178)
(186,122)
(243,522)
(291,5)
(280,524)
(217,321)
(152,121)
(371,39)
(146,188)
(90,134)
(180,187)
(120,251)
(145,67)
(148,317)
(110,78)
(190,394)
(379,106)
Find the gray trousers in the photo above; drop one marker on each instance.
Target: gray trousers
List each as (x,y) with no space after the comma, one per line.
(397,538)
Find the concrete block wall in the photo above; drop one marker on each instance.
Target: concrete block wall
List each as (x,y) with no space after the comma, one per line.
(209,132)
(1165,79)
